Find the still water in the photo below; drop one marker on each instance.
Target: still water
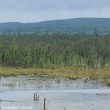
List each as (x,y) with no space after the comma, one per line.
(17,93)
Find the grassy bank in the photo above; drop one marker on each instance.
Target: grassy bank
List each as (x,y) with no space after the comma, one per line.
(71,73)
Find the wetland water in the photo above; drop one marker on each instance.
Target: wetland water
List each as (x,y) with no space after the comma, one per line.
(17,92)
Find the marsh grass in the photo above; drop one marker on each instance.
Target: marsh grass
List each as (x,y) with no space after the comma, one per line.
(71,73)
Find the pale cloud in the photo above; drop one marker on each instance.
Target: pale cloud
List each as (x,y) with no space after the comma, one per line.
(38,10)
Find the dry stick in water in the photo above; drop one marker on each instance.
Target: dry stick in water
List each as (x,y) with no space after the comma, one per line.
(34,96)
(44,103)
(37,97)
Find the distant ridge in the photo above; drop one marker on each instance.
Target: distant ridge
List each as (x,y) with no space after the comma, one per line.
(75,25)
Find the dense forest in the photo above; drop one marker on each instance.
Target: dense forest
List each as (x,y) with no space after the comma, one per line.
(54,50)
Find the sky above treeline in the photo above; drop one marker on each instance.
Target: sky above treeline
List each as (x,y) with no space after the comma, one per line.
(43,10)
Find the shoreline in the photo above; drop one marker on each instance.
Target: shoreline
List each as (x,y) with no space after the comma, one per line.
(70,73)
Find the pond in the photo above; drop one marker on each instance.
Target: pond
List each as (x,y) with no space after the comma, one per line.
(17,93)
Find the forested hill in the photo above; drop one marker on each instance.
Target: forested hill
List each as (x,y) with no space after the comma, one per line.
(76,25)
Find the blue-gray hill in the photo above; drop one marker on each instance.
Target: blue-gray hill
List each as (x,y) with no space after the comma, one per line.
(75,25)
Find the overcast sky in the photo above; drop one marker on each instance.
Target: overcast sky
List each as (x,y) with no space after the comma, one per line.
(41,10)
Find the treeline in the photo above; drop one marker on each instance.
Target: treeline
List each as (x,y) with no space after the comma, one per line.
(53,51)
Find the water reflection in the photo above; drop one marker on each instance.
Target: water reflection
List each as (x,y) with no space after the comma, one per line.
(24,82)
